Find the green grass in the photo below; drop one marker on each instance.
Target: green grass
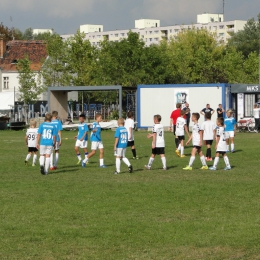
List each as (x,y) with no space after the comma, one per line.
(90,213)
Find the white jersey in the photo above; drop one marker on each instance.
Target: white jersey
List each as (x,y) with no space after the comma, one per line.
(31,134)
(222,146)
(196,135)
(129,122)
(208,127)
(256,112)
(180,124)
(158,129)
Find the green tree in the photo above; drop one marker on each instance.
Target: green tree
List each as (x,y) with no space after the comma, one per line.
(29,82)
(248,39)
(10,33)
(55,67)
(28,34)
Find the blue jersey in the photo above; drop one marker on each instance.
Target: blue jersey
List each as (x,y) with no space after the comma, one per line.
(58,126)
(122,135)
(96,134)
(47,131)
(230,122)
(82,129)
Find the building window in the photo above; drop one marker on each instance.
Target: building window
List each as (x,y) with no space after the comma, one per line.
(122,34)
(221,27)
(6,82)
(151,39)
(116,34)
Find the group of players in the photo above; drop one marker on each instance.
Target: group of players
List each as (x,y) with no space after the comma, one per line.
(48,138)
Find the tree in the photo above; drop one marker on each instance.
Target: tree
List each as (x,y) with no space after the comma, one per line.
(247,40)
(28,34)
(55,70)
(10,33)
(29,89)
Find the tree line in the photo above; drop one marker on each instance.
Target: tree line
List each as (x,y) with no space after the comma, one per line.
(193,56)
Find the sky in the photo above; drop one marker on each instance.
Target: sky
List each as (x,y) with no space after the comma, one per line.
(65,17)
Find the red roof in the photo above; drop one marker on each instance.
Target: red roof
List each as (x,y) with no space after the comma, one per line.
(15,50)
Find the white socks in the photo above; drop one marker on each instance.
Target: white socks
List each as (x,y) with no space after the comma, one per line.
(163,161)
(150,161)
(216,160)
(28,157)
(226,161)
(192,159)
(203,161)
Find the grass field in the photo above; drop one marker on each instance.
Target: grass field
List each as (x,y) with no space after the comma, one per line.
(90,213)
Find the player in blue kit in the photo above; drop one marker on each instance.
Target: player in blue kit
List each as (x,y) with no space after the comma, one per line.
(96,142)
(81,138)
(121,140)
(55,121)
(46,139)
(230,130)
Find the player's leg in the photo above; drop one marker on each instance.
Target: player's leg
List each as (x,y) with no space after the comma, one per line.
(208,153)
(182,147)
(227,140)
(202,159)
(226,160)
(192,158)
(57,155)
(76,148)
(215,164)
(126,161)
(133,150)
(49,151)
(34,157)
(163,159)
(28,156)
(151,159)
(232,143)
(42,158)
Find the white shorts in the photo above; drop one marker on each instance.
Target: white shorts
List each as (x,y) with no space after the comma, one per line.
(120,152)
(96,145)
(229,134)
(45,149)
(81,144)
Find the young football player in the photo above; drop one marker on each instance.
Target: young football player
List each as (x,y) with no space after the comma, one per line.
(158,143)
(197,143)
(121,139)
(30,140)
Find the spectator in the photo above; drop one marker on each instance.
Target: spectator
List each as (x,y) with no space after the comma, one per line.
(220,111)
(187,109)
(207,109)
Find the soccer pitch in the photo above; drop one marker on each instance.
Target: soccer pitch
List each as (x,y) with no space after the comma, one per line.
(91,213)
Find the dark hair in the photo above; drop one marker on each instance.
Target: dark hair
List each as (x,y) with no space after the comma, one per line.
(178,105)
(82,115)
(208,115)
(196,115)
(130,114)
(158,117)
(220,120)
(97,115)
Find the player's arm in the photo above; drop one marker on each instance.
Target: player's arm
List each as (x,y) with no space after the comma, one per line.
(202,113)
(154,140)
(26,139)
(212,112)
(130,133)
(83,136)
(201,137)
(189,140)
(38,141)
(186,130)
(171,123)
(59,133)
(116,142)
(235,128)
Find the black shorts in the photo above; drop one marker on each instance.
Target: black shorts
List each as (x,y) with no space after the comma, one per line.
(158,150)
(181,137)
(197,147)
(130,143)
(32,149)
(221,152)
(209,142)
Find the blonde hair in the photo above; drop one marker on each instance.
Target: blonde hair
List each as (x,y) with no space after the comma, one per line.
(33,123)
(230,111)
(120,121)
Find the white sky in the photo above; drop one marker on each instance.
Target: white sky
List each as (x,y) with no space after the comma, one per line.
(65,17)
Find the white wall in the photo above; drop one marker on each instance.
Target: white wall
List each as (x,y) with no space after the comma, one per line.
(146,23)
(162,100)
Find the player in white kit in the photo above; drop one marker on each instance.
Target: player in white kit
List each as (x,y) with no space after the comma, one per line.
(221,145)
(181,125)
(197,143)
(158,143)
(30,140)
